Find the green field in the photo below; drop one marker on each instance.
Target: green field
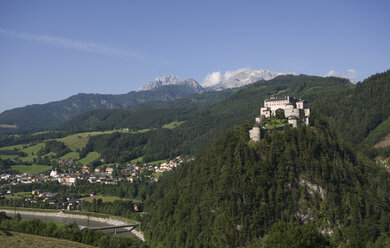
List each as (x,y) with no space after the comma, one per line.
(8,156)
(73,155)
(103,197)
(173,124)
(10,239)
(137,160)
(8,126)
(92,156)
(18,195)
(75,141)
(17,147)
(157,162)
(31,152)
(30,209)
(80,140)
(33,169)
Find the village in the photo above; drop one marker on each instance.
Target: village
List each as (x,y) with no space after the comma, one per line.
(102,175)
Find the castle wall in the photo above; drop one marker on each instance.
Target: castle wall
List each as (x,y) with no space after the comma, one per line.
(301,104)
(292,112)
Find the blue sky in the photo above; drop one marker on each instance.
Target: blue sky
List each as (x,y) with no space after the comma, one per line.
(50,50)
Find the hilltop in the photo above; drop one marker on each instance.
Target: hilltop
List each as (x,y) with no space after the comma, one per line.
(300,184)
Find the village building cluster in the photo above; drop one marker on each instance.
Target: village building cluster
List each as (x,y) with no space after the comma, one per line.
(103,175)
(295,110)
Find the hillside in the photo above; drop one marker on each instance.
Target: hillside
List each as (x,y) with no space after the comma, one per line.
(203,117)
(23,240)
(238,193)
(359,113)
(144,115)
(360,110)
(202,122)
(41,116)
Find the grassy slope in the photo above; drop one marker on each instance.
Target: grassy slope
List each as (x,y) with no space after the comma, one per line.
(20,240)
(92,156)
(103,197)
(173,124)
(32,169)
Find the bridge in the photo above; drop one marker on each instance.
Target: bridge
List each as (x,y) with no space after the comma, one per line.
(132,226)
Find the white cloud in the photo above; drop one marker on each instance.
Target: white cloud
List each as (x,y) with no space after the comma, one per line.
(212,79)
(228,74)
(330,73)
(72,44)
(352,75)
(217,77)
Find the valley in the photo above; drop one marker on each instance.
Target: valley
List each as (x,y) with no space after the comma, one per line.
(192,158)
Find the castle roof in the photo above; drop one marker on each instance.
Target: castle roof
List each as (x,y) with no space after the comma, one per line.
(275,98)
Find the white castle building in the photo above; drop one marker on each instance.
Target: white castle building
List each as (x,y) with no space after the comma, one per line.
(294,110)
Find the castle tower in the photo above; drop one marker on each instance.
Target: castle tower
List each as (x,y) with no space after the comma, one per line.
(255,133)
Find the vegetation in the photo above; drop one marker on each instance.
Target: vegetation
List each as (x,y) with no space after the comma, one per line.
(104,198)
(89,158)
(31,169)
(51,114)
(358,111)
(236,191)
(23,240)
(173,124)
(69,232)
(56,147)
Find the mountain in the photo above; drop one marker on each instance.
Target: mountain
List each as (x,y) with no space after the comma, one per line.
(360,110)
(202,122)
(172,80)
(39,116)
(300,187)
(239,78)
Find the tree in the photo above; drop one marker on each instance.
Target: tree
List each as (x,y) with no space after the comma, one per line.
(290,235)
(279,114)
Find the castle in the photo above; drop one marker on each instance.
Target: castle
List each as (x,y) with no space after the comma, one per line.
(294,110)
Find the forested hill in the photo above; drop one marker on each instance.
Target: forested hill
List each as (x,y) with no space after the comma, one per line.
(51,114)
(145,115)
(292,189)
(199,125)
(225,106)
(360,110)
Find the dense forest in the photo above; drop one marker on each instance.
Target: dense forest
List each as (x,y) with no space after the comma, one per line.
(239,193)
(360,110)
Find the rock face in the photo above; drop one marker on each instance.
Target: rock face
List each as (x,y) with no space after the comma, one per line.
(216,81)
(172,80)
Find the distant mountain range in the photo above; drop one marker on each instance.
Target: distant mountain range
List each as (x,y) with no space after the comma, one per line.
(216,81)
(48,115)
(164,88)
(172,80)
(242,77)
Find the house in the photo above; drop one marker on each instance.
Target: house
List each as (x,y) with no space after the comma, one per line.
(109,170)
(53,173)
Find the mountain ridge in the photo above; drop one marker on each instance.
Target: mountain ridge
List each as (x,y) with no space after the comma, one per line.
(216,81)
(48,115)
(172,80)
